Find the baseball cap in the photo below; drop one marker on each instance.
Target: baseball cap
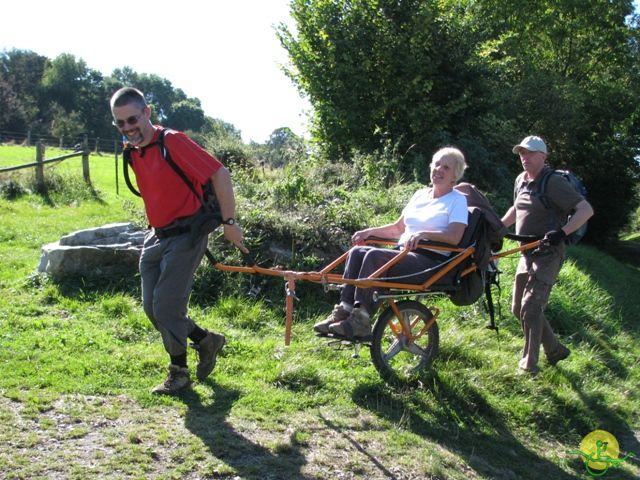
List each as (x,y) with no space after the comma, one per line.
(531,143)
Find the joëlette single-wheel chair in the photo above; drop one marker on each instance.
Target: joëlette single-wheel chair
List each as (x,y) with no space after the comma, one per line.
(405,336)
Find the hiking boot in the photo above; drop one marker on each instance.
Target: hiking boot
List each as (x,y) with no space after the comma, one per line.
(524,370)
(356,327)
(532,372)
(208,349)
(177,380)
(560,354)
(339,314)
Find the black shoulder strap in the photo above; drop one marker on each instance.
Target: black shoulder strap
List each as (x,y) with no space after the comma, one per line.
(542,187)
(174,166)
(126,162)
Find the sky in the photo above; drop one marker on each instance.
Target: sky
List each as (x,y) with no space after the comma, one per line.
(223,52)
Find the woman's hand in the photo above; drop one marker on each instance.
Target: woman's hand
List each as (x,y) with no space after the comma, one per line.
(414,240)
(359,237)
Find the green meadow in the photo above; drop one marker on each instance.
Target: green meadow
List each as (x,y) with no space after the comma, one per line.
(79,357)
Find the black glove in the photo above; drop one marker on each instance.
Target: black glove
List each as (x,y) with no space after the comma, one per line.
(554,237)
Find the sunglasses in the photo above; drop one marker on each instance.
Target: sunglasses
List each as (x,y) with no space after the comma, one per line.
(132,120)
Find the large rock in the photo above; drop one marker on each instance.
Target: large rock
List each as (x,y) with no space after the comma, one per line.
(108,250)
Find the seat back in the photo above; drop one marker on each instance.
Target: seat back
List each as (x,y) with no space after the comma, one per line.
(476,216)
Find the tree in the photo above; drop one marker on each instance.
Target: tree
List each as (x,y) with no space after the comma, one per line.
(68,84)
(186,115)
(13,116)
(414,75)
(66,124)
(569,72)
(20,77)
(284,146)
(379,71)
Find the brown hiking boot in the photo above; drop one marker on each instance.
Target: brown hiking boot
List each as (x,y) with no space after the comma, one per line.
(338,314)
(560,354)
(208,349)
(356,327)
(177,380)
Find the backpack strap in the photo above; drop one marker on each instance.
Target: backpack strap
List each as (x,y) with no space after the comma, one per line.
(543,185)
(126,162)
(167,156)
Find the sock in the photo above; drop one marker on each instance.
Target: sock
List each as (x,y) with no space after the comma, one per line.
(347,306)
(197,334)
(179,360)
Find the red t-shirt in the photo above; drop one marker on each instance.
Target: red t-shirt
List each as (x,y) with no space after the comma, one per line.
(166,196)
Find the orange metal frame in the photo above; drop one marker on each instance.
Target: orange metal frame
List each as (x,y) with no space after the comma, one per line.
(326,276)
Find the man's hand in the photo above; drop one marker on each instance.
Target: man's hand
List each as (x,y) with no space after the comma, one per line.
(233,233)
(554,237)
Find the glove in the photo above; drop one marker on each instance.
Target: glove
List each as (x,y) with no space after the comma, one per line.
(554,237)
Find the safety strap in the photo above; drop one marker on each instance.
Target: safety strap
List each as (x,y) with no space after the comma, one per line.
(492,280)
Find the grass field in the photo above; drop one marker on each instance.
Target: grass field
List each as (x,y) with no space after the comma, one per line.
(80,357)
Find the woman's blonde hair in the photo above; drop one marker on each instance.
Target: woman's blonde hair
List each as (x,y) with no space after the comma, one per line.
(455,154)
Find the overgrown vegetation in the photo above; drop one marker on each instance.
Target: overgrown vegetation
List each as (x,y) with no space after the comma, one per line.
(79,359)
(480,74)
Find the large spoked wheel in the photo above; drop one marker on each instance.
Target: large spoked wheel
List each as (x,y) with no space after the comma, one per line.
(396,356)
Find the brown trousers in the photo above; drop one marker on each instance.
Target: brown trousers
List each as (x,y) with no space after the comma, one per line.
(535,276)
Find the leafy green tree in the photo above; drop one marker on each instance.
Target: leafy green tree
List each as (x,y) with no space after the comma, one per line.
(381,71)
(480,74)
(284,147)
(569,71)
(217,128)
(66,124)
(13,115)
(68,84)
(20,77)
(186,115)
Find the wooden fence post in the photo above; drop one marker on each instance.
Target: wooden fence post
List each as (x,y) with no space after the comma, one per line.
(115,150)
(85,160)
(40,167)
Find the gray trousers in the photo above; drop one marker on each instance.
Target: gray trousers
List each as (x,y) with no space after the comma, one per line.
(362,262)
(167,267)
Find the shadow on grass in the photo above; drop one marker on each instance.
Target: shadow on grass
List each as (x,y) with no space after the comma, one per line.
(248,459)
(597,415)
(462,422)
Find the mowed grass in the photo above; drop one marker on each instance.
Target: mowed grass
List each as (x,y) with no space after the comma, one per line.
(80,357)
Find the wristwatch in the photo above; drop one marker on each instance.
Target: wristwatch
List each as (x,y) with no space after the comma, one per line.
(229,221)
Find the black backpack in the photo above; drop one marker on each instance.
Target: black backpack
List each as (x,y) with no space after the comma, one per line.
(541,193)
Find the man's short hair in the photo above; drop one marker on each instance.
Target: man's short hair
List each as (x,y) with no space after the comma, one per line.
(127,95)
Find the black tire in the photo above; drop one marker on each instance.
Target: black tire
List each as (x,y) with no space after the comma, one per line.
(396,360)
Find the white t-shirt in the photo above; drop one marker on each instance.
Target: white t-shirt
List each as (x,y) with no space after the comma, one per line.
(423,213)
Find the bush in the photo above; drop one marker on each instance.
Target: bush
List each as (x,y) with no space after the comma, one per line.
(11,189)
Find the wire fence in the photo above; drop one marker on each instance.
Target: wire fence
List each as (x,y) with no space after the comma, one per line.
(76,142)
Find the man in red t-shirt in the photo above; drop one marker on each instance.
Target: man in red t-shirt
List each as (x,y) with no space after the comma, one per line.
(171,254)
